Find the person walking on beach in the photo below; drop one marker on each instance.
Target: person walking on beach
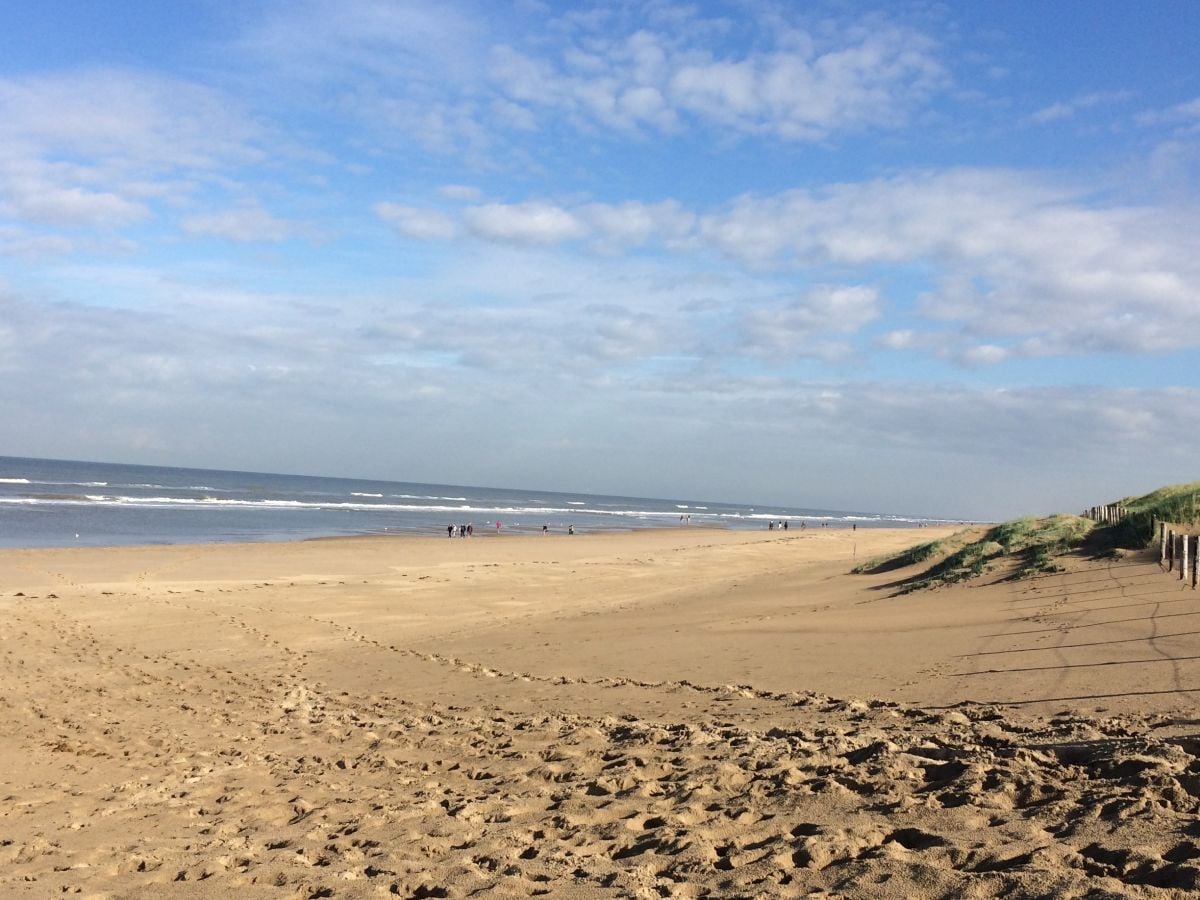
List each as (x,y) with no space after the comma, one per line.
(545,529)
(470,529)
(449,531)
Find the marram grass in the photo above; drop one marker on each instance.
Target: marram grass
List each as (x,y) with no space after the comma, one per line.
(1037,543)
(1034,542)
(1176,504)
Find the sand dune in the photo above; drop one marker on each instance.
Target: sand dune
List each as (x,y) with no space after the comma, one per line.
(664,714)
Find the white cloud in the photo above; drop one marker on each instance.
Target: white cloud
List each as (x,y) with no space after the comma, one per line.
(31,245)
(414,222)
(873,80)
(1017,257)
(124,119)
(610,332)
(402,72)
(453,81)
(513,116)
(1184,115)
(1053,112)
(411,40)
(99,147)
(610,227)
(245,224)
(902,339)
(788,330)
(1066,109)
(532,222)
(984,355)
(866,76)
(465,192)
(634,224)
(40,193)
(1021,266)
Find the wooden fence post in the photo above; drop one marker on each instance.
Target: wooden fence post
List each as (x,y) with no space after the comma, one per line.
(1195,562)
(1183,556)
(1162,535)
(1171,550)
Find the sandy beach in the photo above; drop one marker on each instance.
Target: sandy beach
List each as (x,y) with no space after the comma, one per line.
(674,713)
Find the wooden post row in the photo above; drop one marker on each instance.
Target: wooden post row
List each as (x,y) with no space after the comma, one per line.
(1184,540)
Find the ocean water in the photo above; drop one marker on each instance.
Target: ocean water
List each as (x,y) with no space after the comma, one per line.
(58,503)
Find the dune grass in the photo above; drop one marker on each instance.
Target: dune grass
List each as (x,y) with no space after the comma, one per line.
(1035,543)
(910,557)
(1177,504)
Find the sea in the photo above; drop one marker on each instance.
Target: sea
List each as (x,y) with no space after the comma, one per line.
(61,503)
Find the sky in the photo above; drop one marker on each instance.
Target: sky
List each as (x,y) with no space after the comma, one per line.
(915,257)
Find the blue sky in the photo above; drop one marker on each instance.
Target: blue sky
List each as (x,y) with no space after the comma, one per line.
(923,258)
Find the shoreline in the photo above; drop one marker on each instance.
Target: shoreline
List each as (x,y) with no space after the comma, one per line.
(398,539)
(485,532)
(61,503)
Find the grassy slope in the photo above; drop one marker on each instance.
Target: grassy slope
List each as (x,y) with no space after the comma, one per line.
(1033,542)
(913,555)
(1036,543)
(1178,504)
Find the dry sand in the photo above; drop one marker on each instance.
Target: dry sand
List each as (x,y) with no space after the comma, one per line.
(683,713)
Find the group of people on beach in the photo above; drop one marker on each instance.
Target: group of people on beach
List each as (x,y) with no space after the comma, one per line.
(772,525)
(468,530)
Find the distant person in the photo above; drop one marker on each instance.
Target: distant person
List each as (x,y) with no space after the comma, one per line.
(771,525)
(545,529)
(785,524)
(449,531)
(570,529)
(497,526)
(854,527)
